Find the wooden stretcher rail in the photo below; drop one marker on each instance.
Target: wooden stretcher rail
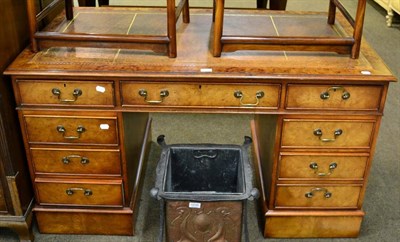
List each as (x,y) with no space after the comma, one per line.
(339,44)
(151,42)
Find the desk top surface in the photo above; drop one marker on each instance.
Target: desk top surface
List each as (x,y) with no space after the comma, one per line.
(194,45)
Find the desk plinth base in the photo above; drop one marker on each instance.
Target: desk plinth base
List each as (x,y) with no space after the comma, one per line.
(84,221)
(324,224)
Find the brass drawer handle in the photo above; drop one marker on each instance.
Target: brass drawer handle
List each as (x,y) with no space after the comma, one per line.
(318,133)
(67,159)
(345,94)
(315,167)
(80,129)
(76,93)
(239,94)
(163,94)
(72,190)
(327,194)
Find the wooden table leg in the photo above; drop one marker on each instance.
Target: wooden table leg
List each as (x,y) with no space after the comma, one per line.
(218,27)
(171,28)
(92,3)
(262,3)
(104,2)
(358,28)
(277,4)
(87,3)
(185,12)
(274,4)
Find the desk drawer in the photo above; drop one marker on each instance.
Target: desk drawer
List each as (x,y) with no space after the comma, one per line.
(71,130)
(76,161)
(85,193)
(317,196)
(303,133)
(226,95)
(322,166)
(333,97)
(69,93)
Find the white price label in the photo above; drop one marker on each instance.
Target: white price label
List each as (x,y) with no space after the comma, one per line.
(104,126)
(194,205)
(100,89)
(366,72)
(206,70)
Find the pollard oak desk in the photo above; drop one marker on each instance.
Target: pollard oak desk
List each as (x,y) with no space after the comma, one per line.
(84,116)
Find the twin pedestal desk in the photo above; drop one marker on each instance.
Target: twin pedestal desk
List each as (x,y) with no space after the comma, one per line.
(84,118)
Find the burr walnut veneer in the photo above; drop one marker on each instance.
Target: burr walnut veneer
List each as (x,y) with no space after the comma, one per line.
(83,113)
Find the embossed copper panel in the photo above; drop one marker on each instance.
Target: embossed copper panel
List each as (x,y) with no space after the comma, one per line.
(205,221)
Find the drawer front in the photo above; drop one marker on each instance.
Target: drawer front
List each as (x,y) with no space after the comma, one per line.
(317,196)
(170,94)
(322,166)
(100,193)
(71,130)
(333,97)
(75,161)
(213,217)
(241,95)
(298,133)
(70,93)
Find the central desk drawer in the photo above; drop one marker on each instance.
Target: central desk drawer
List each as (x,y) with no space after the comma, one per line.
(76,161)
(69,93)
(66,192)
(317,196)
(306,133)
(333,97)
(71,130)
(224,95)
